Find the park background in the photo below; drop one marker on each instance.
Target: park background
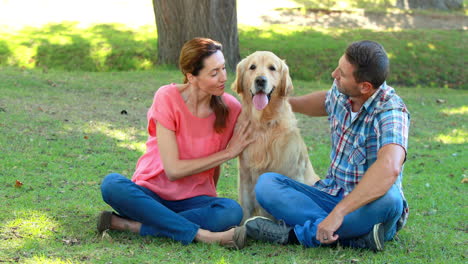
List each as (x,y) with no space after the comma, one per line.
(69,69)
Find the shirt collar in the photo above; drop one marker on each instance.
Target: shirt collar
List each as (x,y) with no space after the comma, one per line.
(371,102)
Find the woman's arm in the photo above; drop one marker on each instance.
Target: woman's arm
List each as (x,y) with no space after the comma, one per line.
(176,168)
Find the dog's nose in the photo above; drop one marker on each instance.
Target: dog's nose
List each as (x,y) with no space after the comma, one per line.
(260,82)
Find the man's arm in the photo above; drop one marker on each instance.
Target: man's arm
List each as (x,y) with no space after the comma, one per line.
(374,184)
(312,104)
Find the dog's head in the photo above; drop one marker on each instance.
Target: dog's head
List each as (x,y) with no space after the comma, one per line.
(262,78)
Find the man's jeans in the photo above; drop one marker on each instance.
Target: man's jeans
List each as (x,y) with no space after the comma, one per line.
(179,220)
(304,207)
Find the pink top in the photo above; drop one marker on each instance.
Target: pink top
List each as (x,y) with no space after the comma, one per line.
(195,137)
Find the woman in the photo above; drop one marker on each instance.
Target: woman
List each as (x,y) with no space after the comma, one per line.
(192,132)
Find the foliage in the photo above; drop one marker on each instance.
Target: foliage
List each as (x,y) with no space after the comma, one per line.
(62,132)
(420,58)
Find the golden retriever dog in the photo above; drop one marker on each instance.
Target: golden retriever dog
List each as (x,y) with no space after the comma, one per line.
(263,83)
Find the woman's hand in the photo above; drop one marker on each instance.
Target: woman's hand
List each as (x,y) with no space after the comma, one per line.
(242,137)
(176,168)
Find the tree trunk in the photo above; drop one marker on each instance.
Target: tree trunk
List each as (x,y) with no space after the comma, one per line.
(430,4)
(178,21)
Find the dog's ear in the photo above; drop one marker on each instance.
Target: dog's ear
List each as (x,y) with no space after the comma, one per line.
(237,84)
(286,85)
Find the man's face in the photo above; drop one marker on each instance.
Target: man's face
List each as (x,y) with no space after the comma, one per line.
(344,78)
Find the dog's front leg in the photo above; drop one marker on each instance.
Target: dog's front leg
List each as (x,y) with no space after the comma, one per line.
(247,201)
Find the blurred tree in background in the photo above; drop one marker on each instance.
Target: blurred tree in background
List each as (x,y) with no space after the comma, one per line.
(178,21)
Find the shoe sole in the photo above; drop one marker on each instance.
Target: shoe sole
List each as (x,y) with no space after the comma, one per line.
(256,217)
(378,242)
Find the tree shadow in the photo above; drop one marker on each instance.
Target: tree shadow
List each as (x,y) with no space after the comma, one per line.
(103,47)
(75,49)
(127,52)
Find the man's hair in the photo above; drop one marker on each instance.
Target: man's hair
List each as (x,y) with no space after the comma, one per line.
(370,61)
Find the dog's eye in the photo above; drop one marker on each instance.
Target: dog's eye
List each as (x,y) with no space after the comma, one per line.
(272,68)
(253,67)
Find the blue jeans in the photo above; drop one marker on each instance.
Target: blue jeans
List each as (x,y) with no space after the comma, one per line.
(179,220)
(304,207)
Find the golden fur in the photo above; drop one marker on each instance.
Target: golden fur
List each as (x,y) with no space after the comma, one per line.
(279,146)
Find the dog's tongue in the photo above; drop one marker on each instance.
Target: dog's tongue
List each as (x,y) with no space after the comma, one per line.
(260,101)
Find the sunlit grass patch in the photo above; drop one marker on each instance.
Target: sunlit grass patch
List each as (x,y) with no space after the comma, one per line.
(29,224)
(462,110)
(46,260)
(26,228)
(126,138)
(456,136)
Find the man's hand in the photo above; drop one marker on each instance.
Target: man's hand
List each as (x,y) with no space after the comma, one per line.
(327,228)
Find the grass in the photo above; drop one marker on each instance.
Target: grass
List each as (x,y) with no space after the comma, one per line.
(419,58)
(62,132)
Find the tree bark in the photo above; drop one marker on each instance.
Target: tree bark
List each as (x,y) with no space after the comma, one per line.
(178,21)
(430,4)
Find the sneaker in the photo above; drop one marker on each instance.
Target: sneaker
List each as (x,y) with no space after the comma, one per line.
(373,240)
(262,228)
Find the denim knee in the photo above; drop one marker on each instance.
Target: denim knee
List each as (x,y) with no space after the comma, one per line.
(233,212)
(393,201)
(230,216)
(110,185)
(264,192)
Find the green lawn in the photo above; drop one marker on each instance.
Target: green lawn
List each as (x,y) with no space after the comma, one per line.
(62,132)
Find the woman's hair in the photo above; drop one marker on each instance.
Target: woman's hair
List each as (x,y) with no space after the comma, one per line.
(191,60)
(370,60)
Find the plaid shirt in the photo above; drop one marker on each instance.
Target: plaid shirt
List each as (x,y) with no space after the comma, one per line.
(382,120)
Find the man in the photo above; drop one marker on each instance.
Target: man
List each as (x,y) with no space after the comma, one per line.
(360,203)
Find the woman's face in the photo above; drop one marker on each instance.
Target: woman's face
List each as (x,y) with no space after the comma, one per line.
(212,77)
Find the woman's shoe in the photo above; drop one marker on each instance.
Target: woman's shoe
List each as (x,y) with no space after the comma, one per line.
(104,221)
(238,239)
